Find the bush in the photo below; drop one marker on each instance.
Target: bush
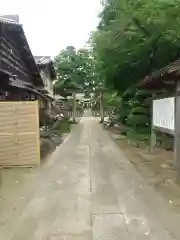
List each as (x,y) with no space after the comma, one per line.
(143,94)
(134,113)
(72,122)
(124,111)
(137,120)
(138,135)
(61,126)
(139,110)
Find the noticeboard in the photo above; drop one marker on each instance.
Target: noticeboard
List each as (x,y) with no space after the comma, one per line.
(164,113)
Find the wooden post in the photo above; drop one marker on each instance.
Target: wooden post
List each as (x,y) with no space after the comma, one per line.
(101,107)
(153,140)
(74,107)
(153,132)
(177,127)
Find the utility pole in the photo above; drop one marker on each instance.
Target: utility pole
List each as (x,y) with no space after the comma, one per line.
(74,107)
(101,107)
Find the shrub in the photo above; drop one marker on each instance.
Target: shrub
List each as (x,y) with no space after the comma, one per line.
(137,120)
(61,126)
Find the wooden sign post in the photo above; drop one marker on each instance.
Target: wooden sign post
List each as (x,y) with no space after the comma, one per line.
(177,127)
(101,107)
(166,119)
(74,107)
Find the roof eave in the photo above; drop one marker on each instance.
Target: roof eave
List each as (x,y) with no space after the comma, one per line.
(171,69)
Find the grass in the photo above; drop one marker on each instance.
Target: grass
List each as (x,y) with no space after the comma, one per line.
(72,122)
(62,127)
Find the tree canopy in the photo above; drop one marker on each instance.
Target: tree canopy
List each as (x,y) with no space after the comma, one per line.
(75,69)
(135,38)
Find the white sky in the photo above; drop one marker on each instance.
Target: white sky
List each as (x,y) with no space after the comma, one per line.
(51,25)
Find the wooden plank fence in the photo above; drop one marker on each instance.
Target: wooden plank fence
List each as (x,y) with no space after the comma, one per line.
(19,134)
(96,113)
(69,113)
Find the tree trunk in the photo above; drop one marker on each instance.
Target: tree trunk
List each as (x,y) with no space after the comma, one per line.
(74,107)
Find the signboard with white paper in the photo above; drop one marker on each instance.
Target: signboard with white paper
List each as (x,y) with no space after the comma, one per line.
(163,113)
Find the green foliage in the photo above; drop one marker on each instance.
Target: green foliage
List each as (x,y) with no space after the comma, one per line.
(134,113)
(129,93)
(111,100)
(141,94)
(124,111)
(126,105)
(137,120)
(137,136)
(72,122)
(87,94)
(75,70)
(139,110)
(61,127)
(134,38)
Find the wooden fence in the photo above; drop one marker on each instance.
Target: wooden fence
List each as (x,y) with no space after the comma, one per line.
(96,113)
(69,113)
(19,134)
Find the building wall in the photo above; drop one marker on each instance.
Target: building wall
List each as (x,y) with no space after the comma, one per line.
(48,84)
(12,61)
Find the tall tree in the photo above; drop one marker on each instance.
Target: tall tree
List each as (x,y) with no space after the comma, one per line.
(75,69)
(134,38)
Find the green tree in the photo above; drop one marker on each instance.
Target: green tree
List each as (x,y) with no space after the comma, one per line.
(75,69)
(132,37)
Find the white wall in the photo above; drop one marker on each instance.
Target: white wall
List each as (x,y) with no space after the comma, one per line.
(48,84)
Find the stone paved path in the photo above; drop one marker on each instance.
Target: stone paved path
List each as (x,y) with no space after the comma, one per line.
(90,191)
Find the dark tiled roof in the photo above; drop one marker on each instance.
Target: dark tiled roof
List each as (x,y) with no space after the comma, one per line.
(19,84)
(20,38)
(168,69)
(172,67)
(10,19)
(42,60)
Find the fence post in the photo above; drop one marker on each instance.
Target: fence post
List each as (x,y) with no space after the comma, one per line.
(153,132)
(177,127)
(74,107)
(101,107)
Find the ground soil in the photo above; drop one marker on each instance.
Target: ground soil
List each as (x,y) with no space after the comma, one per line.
(157,169)
(87,190)
(17,183)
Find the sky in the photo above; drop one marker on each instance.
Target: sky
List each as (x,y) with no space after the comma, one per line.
(51,25)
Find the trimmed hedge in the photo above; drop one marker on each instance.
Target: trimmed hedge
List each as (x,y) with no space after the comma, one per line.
(137,120)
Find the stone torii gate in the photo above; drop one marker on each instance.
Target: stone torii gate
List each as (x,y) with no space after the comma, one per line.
(100,91)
